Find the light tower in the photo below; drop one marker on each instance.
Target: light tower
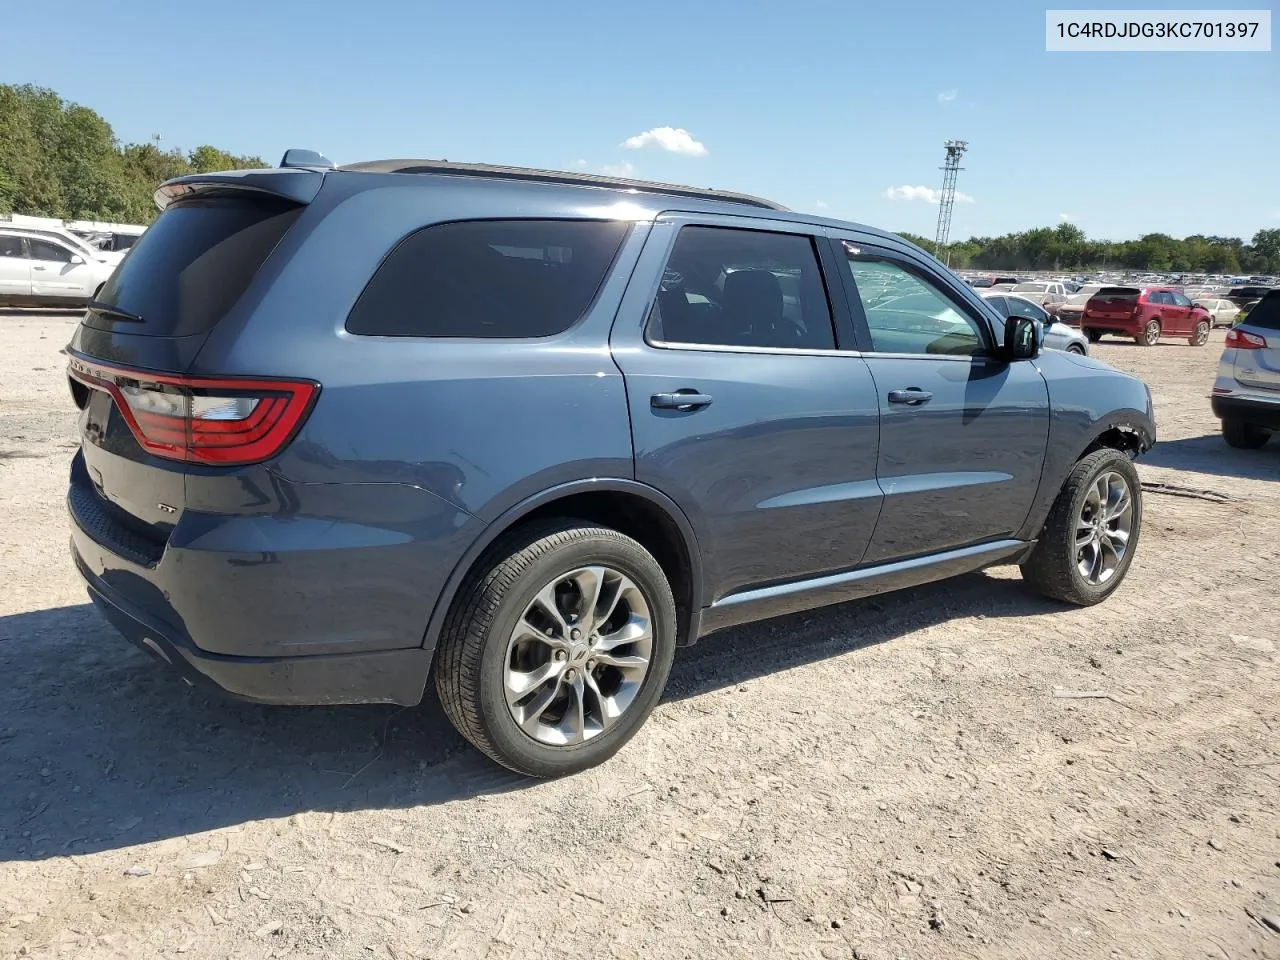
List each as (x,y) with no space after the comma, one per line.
(950,170)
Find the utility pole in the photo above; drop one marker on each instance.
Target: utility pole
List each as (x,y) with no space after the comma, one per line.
(950,170)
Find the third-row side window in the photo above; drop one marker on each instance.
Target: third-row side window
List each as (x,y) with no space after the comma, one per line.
(489,278)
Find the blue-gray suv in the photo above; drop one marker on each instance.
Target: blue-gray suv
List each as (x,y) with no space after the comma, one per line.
(344,430)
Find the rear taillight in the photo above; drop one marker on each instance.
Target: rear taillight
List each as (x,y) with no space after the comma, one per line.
(1242,340)
(219,421)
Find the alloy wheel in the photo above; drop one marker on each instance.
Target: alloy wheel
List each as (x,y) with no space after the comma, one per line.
(578,656)
(1103,527)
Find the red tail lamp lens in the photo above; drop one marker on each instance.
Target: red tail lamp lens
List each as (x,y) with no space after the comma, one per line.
(222,421)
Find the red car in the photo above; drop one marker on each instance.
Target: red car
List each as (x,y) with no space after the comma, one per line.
(1146,314)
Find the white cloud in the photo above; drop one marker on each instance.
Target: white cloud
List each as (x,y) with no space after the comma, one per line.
(1066,217)
(907,192)
(671,139)
(578,163)
(946,96)
(624,169)
(820,204)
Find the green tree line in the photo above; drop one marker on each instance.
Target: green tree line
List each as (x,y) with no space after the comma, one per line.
(59,159)
(1065,247)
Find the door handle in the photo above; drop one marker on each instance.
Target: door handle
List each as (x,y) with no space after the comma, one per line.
(39,268)
(680,400)
(911,396)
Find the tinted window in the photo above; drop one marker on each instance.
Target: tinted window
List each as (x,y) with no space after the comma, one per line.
(11,247)
(1179,300)
(491,278)
(1266,313)
(1118,294)
(908,314)
(44,250)
(192,265)
(743,288)
(1024,308)
(1000,303)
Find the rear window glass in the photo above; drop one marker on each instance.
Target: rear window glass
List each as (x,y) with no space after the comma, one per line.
(1266,313)
(191,266)
(488,278)
(1117,293)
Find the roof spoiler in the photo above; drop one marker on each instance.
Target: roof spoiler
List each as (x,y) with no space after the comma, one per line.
(297,183)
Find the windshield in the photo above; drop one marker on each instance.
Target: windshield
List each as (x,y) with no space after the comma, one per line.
(1029,288)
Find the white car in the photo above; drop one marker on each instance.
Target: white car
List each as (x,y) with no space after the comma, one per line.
(1057,334)
(1223,312)
(44,268)
(1043,292)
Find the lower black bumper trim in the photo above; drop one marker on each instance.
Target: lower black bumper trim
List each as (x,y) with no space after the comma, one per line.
(388,676)
(1257,412)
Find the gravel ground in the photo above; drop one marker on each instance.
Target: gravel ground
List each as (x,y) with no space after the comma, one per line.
(892,778)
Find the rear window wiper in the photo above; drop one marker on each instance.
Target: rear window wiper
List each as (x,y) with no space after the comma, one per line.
(112,311)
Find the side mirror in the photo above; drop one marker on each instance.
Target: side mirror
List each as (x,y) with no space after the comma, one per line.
(76,259)
(1022,337)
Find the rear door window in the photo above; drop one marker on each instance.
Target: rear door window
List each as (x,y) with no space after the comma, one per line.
(512,279)
(191,266)
(726,286)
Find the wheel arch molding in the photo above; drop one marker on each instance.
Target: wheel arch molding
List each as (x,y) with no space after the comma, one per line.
(584,499)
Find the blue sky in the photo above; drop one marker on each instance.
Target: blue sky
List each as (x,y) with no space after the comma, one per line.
(822,106)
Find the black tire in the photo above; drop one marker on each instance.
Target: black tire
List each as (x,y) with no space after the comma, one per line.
(1051,569)
(1243,436)
(1076,349)
(1093,335)
(1200,336)
(471,657)
(1150,334)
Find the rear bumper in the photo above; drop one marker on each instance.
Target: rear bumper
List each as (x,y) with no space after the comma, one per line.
(392,676)
(1260,412)
(1128,328)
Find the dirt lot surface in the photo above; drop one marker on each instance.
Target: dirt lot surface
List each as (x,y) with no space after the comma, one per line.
(894,778)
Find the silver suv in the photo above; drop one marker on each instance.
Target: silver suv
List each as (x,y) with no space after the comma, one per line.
(1246,395)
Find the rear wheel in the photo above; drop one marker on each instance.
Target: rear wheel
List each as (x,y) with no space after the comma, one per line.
(1088,542)
(1150,334)
(557,648)
(1076,349)
(1244,436)
(1093,335)
(1200,336)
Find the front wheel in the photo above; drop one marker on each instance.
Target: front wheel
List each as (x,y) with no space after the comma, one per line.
(1076,349)
(557,648)
(1088,542)
(1200,336)
(1243,436)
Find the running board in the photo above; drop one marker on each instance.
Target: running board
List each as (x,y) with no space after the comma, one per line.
(776,601)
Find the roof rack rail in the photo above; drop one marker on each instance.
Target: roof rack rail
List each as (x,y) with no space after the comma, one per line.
(554,176)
